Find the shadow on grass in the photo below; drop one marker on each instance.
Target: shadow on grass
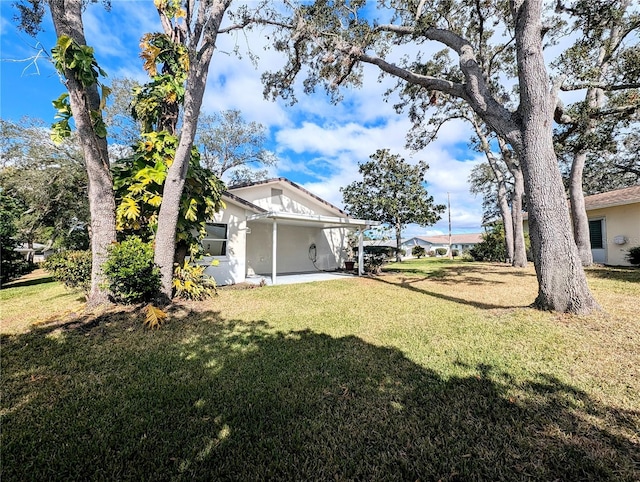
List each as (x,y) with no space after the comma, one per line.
(27,282)
(618,273)
(212,399)
(408,284)
(471,273)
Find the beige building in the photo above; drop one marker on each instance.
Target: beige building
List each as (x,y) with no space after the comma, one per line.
(614,224)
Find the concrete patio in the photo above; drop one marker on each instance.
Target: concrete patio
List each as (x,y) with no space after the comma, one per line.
(294,278)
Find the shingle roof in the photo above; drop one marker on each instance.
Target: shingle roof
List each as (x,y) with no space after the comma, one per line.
(619,197)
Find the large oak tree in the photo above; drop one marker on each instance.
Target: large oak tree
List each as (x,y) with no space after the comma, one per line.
(334,39)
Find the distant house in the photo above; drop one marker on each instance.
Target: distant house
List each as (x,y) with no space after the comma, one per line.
(459,242)
(276,227)
(35,253)
(614,224)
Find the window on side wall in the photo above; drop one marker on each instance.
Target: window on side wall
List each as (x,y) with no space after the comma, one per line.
(596,234)
(215,241)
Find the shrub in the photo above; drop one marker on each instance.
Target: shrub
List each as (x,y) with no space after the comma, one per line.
(71,268)
(441,251)
(633,256)
(455,252)
(418,251)
(192,283)
(492,247)
(131,275)
(373,263)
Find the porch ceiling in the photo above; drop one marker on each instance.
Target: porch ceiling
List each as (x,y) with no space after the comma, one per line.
(296,219)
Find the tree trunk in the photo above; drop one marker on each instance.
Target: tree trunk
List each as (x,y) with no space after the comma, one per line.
(503,202)
(595,100)
(562,285)
(578,210)
(505,214)
(398,242)
(519,246)
(208,21)
(519,259)
(67,19)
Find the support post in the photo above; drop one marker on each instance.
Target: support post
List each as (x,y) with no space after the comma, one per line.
(274,263)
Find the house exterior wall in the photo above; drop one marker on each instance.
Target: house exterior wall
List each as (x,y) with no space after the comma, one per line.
(291,200)
(294,243)
(409,244)
(619,221)
(432,247)
(232,267)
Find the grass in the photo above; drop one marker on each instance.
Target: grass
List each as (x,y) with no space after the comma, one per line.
(434,371)
(33,298)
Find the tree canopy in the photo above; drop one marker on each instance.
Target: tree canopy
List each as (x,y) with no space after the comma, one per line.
(463,51)
(49,181)
(392,191)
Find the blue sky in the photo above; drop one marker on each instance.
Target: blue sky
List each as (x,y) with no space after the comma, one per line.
(318,144)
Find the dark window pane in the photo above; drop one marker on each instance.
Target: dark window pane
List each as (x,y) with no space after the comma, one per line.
(595,234)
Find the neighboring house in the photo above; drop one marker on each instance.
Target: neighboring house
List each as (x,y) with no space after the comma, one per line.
(37,253)
(614,224)
(459,242)
(277,227)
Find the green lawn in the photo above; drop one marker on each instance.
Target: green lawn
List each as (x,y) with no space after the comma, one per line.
(436,370)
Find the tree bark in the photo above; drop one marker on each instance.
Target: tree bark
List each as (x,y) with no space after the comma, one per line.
(505,211)
(398,227)
(207,23)
(519,246)
(562,286)
(579,217)
(67,20)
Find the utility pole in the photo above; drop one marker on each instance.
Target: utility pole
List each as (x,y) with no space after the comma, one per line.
(449,206)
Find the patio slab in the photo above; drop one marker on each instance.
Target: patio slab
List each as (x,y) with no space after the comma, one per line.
(294,278)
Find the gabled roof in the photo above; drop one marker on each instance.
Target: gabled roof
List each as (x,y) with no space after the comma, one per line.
(619,197)
(277,180)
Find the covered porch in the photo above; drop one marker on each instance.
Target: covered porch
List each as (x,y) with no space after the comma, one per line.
(278,242)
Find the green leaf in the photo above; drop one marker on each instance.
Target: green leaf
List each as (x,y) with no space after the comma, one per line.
(155,200)
(129,208)
(148,174)
(192,210)
(106,92)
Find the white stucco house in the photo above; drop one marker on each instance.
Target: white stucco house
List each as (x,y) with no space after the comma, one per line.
(459,242)
(276,227)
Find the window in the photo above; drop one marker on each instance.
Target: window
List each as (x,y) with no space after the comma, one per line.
(215,241)
(595,234)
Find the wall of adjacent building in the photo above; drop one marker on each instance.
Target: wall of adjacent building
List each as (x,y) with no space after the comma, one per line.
(619,221)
